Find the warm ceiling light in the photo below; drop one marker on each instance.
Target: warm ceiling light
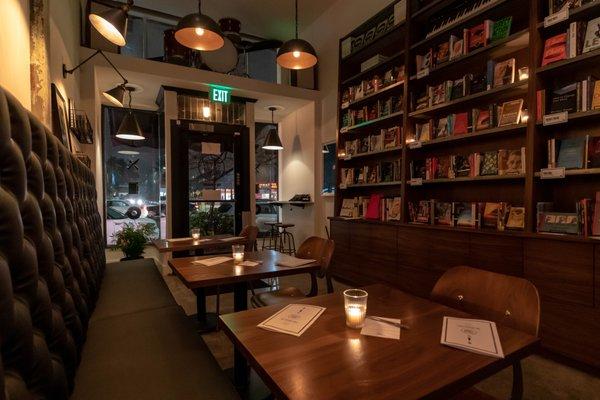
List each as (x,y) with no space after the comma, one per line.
(112,23)
(199,32)
(296,53)
(272,141)
(115,95)
(130,128)
(206,112)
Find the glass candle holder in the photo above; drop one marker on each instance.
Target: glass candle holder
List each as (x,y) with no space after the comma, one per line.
(523,73)
(238,253)
(355,306)
(195,232)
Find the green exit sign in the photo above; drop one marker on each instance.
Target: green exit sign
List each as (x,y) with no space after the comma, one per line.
(219,94)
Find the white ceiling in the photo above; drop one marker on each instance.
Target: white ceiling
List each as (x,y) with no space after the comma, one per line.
(270,19)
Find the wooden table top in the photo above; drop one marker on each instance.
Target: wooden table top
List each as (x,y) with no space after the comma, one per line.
(166,246)
(330,361)
(197,275)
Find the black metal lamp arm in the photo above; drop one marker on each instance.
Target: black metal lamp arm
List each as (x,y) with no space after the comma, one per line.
(70,71)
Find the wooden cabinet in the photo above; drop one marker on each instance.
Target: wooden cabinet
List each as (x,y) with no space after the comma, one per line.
(496,254)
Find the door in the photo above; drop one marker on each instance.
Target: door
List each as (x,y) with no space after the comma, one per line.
(210,178)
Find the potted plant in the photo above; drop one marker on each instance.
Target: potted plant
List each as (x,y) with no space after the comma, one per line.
(131,240)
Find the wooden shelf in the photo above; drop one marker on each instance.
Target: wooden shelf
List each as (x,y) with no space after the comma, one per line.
(485,132)
(519,86)
(574,14)
(569,62)
(374,94)
(581,115)
(574,172)
(371,69)
(371,153)
(370,122)
(511,40)
(469,179)
(396,29)
(366,185)
(430,8)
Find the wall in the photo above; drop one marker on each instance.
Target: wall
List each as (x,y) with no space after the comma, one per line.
(324,34)
(14,48)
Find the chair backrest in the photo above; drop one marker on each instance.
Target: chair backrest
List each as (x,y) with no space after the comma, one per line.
(321,250)
(504,299)
(250,232)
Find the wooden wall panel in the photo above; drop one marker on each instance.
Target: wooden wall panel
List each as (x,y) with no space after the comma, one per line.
(597,276)
(501,254)
(374,248)
(562,271)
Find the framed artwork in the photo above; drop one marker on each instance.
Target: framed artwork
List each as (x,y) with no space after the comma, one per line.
(60,117)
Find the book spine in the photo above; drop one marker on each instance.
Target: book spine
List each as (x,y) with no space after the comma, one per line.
(490,73)
(572,46)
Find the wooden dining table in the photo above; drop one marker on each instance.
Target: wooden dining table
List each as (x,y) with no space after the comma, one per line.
(331,361)
(190,244)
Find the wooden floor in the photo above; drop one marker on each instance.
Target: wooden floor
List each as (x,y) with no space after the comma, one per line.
(544,379)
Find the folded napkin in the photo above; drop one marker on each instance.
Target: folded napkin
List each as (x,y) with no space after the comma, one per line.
(291,262)
(249,263)
(379,328)
(209,262)
(231,239)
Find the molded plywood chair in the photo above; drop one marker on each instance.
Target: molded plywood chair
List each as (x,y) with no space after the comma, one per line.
(312,248)
(504,299)
(250,232)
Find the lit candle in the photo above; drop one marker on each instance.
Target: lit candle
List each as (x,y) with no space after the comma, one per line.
(355,317)
(238,257)
(195,233)
(355,306)
(238,253)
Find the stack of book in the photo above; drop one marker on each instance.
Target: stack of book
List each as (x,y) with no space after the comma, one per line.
(373,85)
(490,215)
(384,171)
(581,37)
(387,138)
(585,221)
(382,208)
(377,109)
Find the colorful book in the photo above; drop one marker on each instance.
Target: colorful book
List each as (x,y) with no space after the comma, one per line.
(501,29)
(504,73)
(592,36)
(511,162)
(510,112)
(489,163)
(571,152)
(555,49)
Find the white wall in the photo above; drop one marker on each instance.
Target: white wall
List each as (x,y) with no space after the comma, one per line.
(14,49)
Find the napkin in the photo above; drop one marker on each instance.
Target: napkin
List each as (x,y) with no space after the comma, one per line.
(249,263)
(291,262)
(209,262)
(380,329)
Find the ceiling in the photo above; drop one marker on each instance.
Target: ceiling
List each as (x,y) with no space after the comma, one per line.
(270,19)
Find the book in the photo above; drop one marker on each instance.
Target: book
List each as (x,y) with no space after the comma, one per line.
(373,208)
(423,131)
(442,53)
(564,99)
(593,154)
(511,162)
(394,209)
(347,210)
(479,35)
(516,218)
(557,222)
(595,104)
(576,38)
(424,214)
(425,61)
(481,119)
(501,29)
(443,168)
(489,163)
(555,49)
(465,214)
(457,47)
(490,215)
(504,73)
(474,335)
(592,36)
(596,216)
(376,142)
(442,128)
(443,213)
(460,124)
(510,113)
(461,165)
(570,152)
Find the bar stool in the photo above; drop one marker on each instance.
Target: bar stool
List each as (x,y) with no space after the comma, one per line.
(287,244)
(272,236)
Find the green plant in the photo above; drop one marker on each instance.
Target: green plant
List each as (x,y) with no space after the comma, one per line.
(131,239)
(211,221)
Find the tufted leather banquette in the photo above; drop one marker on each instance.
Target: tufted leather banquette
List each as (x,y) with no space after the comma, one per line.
(51,257)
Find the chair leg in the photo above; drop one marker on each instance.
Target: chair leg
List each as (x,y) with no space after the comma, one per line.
(517,388)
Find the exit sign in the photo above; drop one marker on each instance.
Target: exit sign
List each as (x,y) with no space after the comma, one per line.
(219,94)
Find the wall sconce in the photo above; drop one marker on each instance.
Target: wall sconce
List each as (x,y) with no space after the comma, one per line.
(112,23)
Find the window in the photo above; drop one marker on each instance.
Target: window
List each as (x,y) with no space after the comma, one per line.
(145,38)
(267,179)
(329,157)
(134,174)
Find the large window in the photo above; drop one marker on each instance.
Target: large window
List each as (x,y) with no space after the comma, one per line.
(329,157)
(145,38)
(134,174)
(267,179)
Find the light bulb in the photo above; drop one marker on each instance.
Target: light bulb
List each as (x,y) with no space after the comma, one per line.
(199,31)
(206,112)
(296,54)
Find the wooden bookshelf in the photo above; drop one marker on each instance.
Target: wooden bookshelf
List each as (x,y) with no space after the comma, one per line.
(565,268)
(373,95)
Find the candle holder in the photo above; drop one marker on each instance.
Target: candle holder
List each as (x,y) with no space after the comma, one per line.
(238,253)
(195,233)
(355,306)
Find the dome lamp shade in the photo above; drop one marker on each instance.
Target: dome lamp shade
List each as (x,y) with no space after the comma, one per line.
(297,53)
(199,32)
(112,23)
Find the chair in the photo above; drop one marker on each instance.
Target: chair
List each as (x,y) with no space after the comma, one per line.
(312,248)
(504,299)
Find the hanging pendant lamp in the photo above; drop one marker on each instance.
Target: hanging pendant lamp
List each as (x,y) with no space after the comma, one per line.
(272,141)
(199,32)
(296,53)
(130,128)
(112,23)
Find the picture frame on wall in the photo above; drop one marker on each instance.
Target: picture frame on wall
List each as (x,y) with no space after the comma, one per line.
(60,117)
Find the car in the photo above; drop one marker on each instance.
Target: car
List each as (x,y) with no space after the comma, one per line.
(265,212)
(115,220)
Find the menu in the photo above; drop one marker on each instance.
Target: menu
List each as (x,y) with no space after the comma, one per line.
(291,262)
(474,335)
(293,319)
(209,262)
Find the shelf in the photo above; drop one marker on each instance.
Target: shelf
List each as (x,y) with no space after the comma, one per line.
(396,29)
(469,179)
(366,185)
(574,172)
(456,24)
(511,40)
(576,13)
(505,88)
(371,153)
(568,62)
(431,8)
(371,122)
(371,69)
(580,115)
(485,132)
(374,94)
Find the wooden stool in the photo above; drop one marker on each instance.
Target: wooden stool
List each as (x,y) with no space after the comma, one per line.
(287,243)
(272,236)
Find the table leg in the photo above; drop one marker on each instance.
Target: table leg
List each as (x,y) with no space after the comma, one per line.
(207,322)
(240,365)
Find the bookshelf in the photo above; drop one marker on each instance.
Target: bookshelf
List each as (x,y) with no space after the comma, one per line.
(564,267)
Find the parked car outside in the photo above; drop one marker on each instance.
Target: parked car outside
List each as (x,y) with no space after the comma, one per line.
(115,220)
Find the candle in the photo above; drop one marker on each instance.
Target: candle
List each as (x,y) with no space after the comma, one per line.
(195,232)
(238,253)
(355,306)
(238,257)
(355,317)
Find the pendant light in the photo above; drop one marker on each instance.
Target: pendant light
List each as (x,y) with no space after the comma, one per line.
(199,32)
(296,53)
(112,23)
(130,128)
(272,141)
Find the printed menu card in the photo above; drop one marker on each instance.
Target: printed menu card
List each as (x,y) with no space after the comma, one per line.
(293,319)
(474,335)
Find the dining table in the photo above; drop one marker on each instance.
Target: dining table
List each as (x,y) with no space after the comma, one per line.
(332,361)
(200,244)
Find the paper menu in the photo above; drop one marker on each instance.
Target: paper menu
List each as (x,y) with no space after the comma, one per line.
(293,319)
(209,262)
(291,262)
(474,335)
(372,327)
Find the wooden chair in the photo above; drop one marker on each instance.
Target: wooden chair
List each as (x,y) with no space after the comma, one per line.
(504,299)
(312,248)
